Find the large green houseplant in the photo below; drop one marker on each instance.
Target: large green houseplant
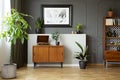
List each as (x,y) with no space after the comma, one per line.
(16,27)
(82,55)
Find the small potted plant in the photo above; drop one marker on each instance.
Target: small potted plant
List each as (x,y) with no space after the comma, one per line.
(110,12)
(78,28)
(82,56)
(38,25)
(55,36)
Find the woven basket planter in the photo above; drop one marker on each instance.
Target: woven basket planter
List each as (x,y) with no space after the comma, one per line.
(8,71)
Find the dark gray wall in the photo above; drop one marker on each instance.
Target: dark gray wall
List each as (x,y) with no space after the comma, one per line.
(90,13)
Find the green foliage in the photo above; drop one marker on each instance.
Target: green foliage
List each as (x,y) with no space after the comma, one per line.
(55,36)
(16,27)
(83,53)
(110,9)
(79,27)
(38,23)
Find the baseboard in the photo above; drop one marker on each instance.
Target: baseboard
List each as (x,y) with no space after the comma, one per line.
(74,65)
(64,65)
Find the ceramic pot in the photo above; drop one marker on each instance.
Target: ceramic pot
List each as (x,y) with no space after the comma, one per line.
(110,13)
(8,71)
(38,31)
(57,43)
(78,32)
(82,64)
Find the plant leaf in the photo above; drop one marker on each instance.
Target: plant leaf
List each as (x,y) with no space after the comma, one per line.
(79,46)
(81,55)
(85,51)
(16,27)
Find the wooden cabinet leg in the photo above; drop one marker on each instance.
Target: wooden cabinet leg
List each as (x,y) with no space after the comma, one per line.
(61,64)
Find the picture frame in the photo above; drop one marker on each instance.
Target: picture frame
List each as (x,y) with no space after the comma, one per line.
(57,15)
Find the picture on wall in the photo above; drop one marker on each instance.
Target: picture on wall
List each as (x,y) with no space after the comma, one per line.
(57,15)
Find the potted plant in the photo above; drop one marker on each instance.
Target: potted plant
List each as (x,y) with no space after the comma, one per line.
(55,36)
(38,25)
(82,56)
(78,28)
(16,27)
(110,12)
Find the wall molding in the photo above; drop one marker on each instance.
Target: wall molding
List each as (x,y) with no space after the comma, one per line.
(64,65)
(55,65)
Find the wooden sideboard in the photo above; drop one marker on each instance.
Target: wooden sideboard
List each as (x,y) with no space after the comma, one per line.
(67,40)
(48,54)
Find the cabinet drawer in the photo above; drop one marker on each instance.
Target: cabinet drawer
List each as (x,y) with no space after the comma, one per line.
(112,55)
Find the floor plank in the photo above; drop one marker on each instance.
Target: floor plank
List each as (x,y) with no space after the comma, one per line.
(68,73)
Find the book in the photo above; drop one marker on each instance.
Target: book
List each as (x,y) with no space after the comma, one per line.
(110,22)
(118,21)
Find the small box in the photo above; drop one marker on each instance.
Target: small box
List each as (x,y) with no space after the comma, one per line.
(43,40)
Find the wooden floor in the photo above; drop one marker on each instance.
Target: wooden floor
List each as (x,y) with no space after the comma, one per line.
(68,73)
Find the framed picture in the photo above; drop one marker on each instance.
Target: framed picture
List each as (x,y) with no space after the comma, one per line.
(57,15)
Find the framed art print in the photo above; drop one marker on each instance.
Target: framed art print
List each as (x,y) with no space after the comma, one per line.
(57,15)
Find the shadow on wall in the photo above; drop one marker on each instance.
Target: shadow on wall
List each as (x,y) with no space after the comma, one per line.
(92,57)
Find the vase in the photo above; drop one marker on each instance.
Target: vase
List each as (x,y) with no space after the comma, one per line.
(114,33)
(78,32)
(109,33)
(118,48)
(38,31)
(57,43)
